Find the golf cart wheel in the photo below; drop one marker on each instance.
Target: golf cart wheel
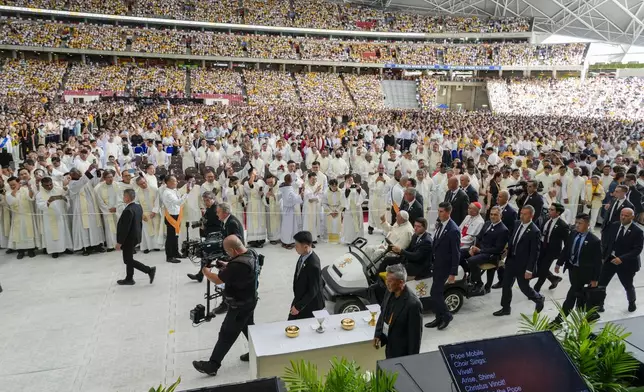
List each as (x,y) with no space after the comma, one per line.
(454,300)
(349,305)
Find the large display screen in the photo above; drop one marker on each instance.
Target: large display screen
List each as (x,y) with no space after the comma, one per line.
(520,363)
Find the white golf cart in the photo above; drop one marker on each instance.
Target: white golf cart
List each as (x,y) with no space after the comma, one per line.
(349,279)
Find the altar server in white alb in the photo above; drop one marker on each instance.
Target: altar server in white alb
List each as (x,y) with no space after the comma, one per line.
(108,196)
(87,225)
(312,206)
(290,201)
(53,203)
(22,236)
(353,221)
(254,190)
(148,198)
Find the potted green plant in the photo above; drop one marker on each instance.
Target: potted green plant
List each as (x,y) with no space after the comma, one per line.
(599,355)
(171,388)
(344,376)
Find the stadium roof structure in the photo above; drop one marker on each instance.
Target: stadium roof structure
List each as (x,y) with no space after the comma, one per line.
(614,21)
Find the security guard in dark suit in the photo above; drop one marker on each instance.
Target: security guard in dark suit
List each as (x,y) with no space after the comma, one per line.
(307,281)
(521,263)
(534,199)
(508,216)
(582,258)
(417,258)
(616,206)
(553,237)
(622,245)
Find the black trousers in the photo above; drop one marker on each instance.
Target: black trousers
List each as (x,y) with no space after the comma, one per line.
(237,321)
(625,278)
(171,240)
(473,263)
(131,264)
(575,296)
(543,272)
(516,274)
(465,253)
(436,295)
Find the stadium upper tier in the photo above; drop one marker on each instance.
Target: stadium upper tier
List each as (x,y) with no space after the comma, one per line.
(317,14)
(18,32)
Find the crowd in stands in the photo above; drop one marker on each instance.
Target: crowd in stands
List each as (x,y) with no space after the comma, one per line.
(323,90)
(31,77)
(427,90)
(595,97)
(270,88)
(215,81)
(170,41)
(365,90)
(316,14)
(97,78)
(149,81)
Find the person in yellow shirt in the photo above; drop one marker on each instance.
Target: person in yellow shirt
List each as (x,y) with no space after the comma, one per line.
(594,196)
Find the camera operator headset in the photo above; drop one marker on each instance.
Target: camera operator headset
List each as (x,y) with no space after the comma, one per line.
(241,277)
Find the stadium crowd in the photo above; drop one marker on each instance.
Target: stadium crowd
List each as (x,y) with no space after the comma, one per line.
(89,77)
(323,90)
(270,88)
(215,81)
(168,81)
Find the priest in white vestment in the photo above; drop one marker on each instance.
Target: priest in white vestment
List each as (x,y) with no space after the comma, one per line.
(312,206)
(87,225)
(254,190)
(399,235)
(332,205)
(5,214)
(353,219)
(574,192)
(272,204)
(191,210)
(108,196)
(378,194)
(22,236)
(148,198)
(289,200)
(52,201)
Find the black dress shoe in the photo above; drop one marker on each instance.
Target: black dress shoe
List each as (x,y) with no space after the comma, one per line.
(145,252)
(205,367)
(601,309)
(477,291)
(54,255)
(153,272)
(540,305)
(632,307)
(245,357)
(69,252)
(21,254)
(44,251)
(85,252)
(488,289)
(497,285)
(554,284)
(198,278)
(174,261)
(110,250)
(222,308)
(444,323)
(274,242)
(99,249)
(370,230)
(592,317)
(31,253)
(156,249)
(556,323)
(125,282)
(433,324)
(9,251)
(503,312)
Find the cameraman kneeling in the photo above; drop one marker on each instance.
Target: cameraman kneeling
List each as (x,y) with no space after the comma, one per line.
(240,292)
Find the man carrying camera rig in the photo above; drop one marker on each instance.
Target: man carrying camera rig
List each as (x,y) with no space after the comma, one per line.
(241,277)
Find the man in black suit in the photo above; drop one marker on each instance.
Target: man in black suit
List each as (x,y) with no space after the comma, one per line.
(447,254)
(400,324)
(411,205)
(128,236)
(616,206)
(509,217)
(521,263)
(582,258)
(622,244)
(232,226)
(469,190)
(307,281)
(417,258)
(634,196)
(489,246)
(534,199)
(210,221)
(554,234)
(458,199)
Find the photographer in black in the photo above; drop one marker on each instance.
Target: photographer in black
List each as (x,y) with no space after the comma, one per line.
(240,275)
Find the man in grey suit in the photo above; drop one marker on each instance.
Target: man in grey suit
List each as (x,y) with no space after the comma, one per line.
(128,236)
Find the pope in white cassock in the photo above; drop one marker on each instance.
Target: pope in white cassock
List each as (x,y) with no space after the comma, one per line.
(108,196)
(52,201)
(22,236)
(289,201)
(353,221)
(312,206)
(87,225)
(254,190)
(399,235)
(148,198)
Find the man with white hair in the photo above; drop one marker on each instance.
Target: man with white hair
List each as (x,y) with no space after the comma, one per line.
(278,166)
(399,235)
